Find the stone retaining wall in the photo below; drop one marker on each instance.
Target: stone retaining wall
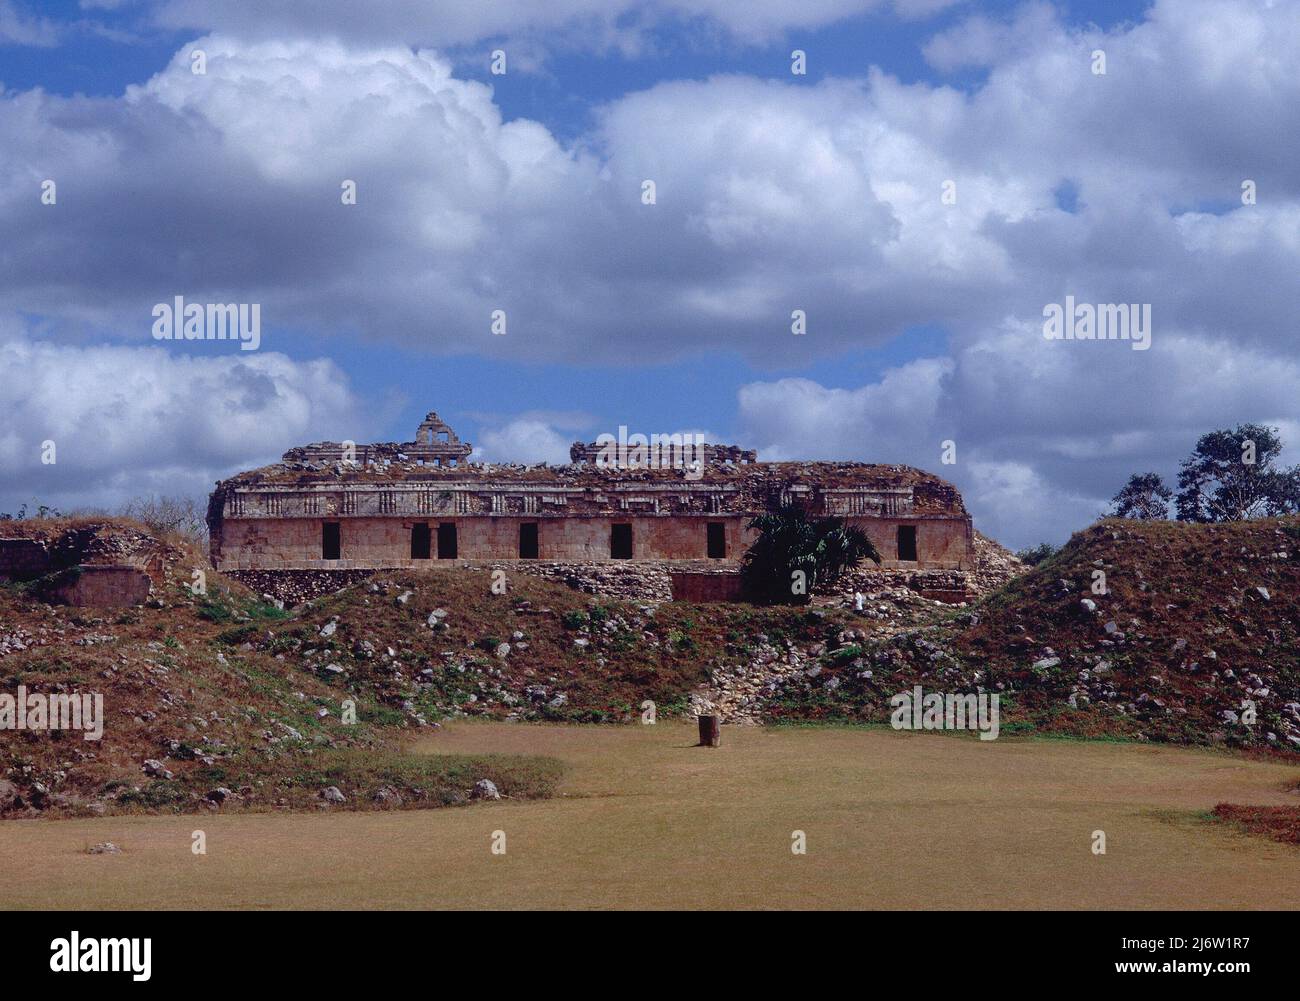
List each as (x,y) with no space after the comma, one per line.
(23,559)
(706,587)
(627,581)
(101,586)
(293,587)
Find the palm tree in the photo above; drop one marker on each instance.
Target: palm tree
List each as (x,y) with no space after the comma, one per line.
(790,543)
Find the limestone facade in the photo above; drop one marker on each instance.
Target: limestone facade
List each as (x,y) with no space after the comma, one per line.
(385,506)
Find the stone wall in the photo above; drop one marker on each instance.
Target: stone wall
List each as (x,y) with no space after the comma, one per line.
(110,552)
(100,586)
(293,587)
(941,543)
(940,585)
(649,580)
(622,581)
(23,559)
(378,543)
(699,587)
(384,543)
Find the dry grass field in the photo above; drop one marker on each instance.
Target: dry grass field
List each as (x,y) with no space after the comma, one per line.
(645,820)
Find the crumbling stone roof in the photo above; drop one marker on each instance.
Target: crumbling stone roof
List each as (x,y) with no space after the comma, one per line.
(435,444)
(677,453)
(439,457)
(930,495)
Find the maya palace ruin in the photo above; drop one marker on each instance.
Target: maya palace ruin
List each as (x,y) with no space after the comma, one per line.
(338,506)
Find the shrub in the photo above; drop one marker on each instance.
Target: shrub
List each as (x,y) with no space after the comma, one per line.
(1040,553)
(789,544)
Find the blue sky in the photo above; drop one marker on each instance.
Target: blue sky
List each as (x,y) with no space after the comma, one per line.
(521,191)
(101,51)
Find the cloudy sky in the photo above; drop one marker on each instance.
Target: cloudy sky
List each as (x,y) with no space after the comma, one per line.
(523,192)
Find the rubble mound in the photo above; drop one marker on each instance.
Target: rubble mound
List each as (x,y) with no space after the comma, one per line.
(185,704)
(995,566)
(1149,630)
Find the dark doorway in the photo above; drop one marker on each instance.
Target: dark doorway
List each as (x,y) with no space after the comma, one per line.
(907,542)
(447,540)
(528,540)
(421,542)
(717,540)
(620,542)
(330,544)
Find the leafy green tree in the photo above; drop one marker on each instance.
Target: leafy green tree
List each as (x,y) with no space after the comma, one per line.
(1231,476)
(1144,496)
(790,542)
(1040,553)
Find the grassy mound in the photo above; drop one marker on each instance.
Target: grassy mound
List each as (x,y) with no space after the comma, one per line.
(223,691)
(1187,627)
(191,707)
(440,643)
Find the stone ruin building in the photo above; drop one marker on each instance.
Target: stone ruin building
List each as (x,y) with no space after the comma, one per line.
(340,506)
(82,562)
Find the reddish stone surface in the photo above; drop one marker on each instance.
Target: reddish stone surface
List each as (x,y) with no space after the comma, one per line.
(99,586)
(702,587)
(23,559)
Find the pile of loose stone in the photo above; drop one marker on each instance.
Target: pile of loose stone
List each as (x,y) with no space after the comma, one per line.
(293,587)
(615,581)
(738,692)
(994,566)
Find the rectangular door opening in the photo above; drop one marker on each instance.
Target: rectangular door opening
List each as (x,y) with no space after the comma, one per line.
(421,542)
(620,542)
(447,540)
(717,540)
(331,545)
(528,540)
(907,542)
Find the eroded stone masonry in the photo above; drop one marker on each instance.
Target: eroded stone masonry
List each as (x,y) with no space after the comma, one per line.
(339,506)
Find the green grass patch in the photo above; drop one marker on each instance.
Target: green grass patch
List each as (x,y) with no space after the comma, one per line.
(421,780)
